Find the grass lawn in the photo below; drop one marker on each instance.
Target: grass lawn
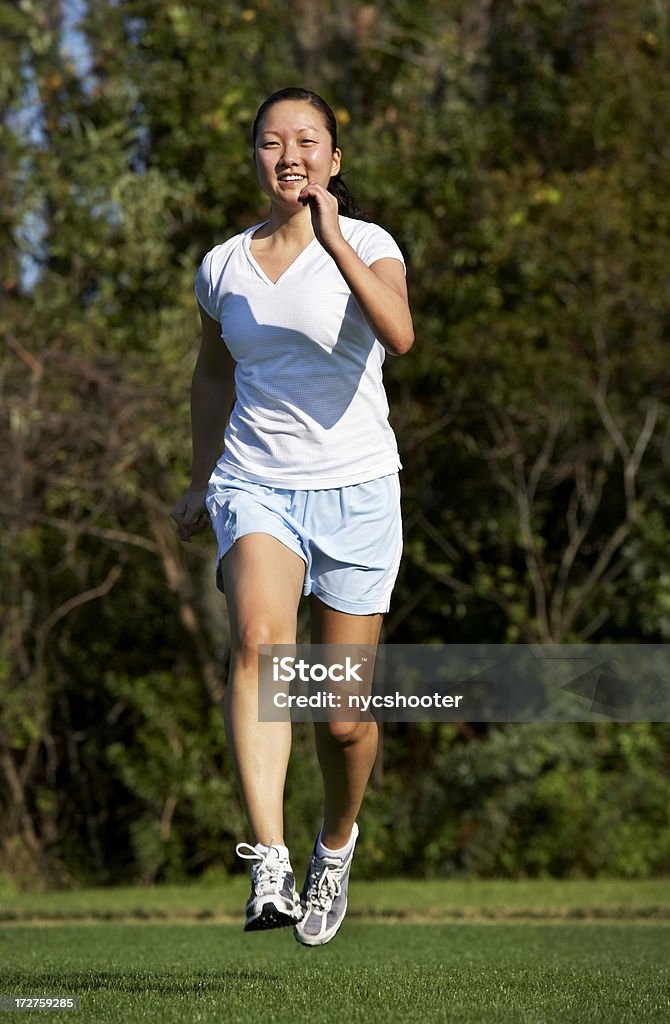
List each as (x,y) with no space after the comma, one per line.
(221,898)
(483,952)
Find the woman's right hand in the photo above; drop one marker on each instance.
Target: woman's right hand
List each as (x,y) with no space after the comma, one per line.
(190,513)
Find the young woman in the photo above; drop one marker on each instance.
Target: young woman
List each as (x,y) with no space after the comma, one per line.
(297,313)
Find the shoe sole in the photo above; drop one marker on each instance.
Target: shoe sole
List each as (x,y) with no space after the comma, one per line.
(271,917)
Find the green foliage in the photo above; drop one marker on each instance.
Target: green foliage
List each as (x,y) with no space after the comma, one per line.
(524,800)
(173,764)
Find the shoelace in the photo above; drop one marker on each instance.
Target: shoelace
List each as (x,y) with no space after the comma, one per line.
(266,876)
(325,888)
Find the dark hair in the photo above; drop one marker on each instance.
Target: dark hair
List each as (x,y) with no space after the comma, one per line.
(348,206)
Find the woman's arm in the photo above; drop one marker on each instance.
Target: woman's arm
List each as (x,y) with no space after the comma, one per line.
(212,390)
(380,289)
(381,292)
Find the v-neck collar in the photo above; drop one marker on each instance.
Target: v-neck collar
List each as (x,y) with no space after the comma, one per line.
(256,265)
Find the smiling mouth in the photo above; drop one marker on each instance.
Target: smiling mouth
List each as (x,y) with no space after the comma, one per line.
(291,179)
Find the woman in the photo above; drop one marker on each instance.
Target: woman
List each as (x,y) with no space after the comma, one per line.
(305,498)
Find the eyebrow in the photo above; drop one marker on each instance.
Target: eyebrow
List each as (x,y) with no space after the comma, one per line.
(305,128)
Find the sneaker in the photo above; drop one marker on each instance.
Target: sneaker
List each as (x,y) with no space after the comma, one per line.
(273,902)
(324,897)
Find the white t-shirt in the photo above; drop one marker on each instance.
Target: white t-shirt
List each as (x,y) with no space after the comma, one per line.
(311,410)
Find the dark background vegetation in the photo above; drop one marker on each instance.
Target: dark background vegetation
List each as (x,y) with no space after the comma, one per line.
(519,151)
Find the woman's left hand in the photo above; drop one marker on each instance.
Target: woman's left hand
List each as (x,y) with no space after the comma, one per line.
(324,208)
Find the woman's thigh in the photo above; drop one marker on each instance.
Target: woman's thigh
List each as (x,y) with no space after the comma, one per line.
(330,626)
(263,582)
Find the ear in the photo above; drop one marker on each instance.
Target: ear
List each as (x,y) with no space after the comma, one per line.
(337,161)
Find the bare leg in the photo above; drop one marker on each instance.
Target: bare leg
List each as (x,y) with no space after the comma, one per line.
(263,584)
(346,750)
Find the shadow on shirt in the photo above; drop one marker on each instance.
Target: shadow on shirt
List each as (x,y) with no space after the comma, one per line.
(288,372)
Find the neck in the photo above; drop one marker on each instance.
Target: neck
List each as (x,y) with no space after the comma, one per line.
(293,225)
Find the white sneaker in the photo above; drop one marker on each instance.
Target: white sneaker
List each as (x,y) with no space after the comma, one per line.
(324,897)
(273,902)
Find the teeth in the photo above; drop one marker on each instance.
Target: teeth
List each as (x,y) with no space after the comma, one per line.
(291,177)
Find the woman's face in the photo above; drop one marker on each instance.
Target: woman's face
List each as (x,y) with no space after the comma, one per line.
(294,147)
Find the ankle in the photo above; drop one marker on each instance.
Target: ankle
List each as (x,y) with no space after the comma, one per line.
(335,842)
(279,850)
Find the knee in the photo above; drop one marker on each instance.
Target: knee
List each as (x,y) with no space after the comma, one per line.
(346,734)
(256,633)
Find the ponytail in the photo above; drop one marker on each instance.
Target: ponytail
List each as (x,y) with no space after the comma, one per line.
(347,205)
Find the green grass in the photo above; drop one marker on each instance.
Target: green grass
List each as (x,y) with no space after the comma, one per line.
(221,898)
(370,973)
(504,952)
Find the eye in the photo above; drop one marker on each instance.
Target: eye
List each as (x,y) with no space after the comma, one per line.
(269,144)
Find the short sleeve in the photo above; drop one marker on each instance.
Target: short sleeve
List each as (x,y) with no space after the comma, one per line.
(203,287)
(374,243)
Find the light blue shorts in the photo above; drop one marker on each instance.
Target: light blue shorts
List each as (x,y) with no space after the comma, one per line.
(350,538)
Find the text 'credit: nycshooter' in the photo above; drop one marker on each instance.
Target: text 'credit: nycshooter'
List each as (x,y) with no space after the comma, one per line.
(465,682)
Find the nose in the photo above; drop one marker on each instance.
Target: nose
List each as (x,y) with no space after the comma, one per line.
(289,156)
